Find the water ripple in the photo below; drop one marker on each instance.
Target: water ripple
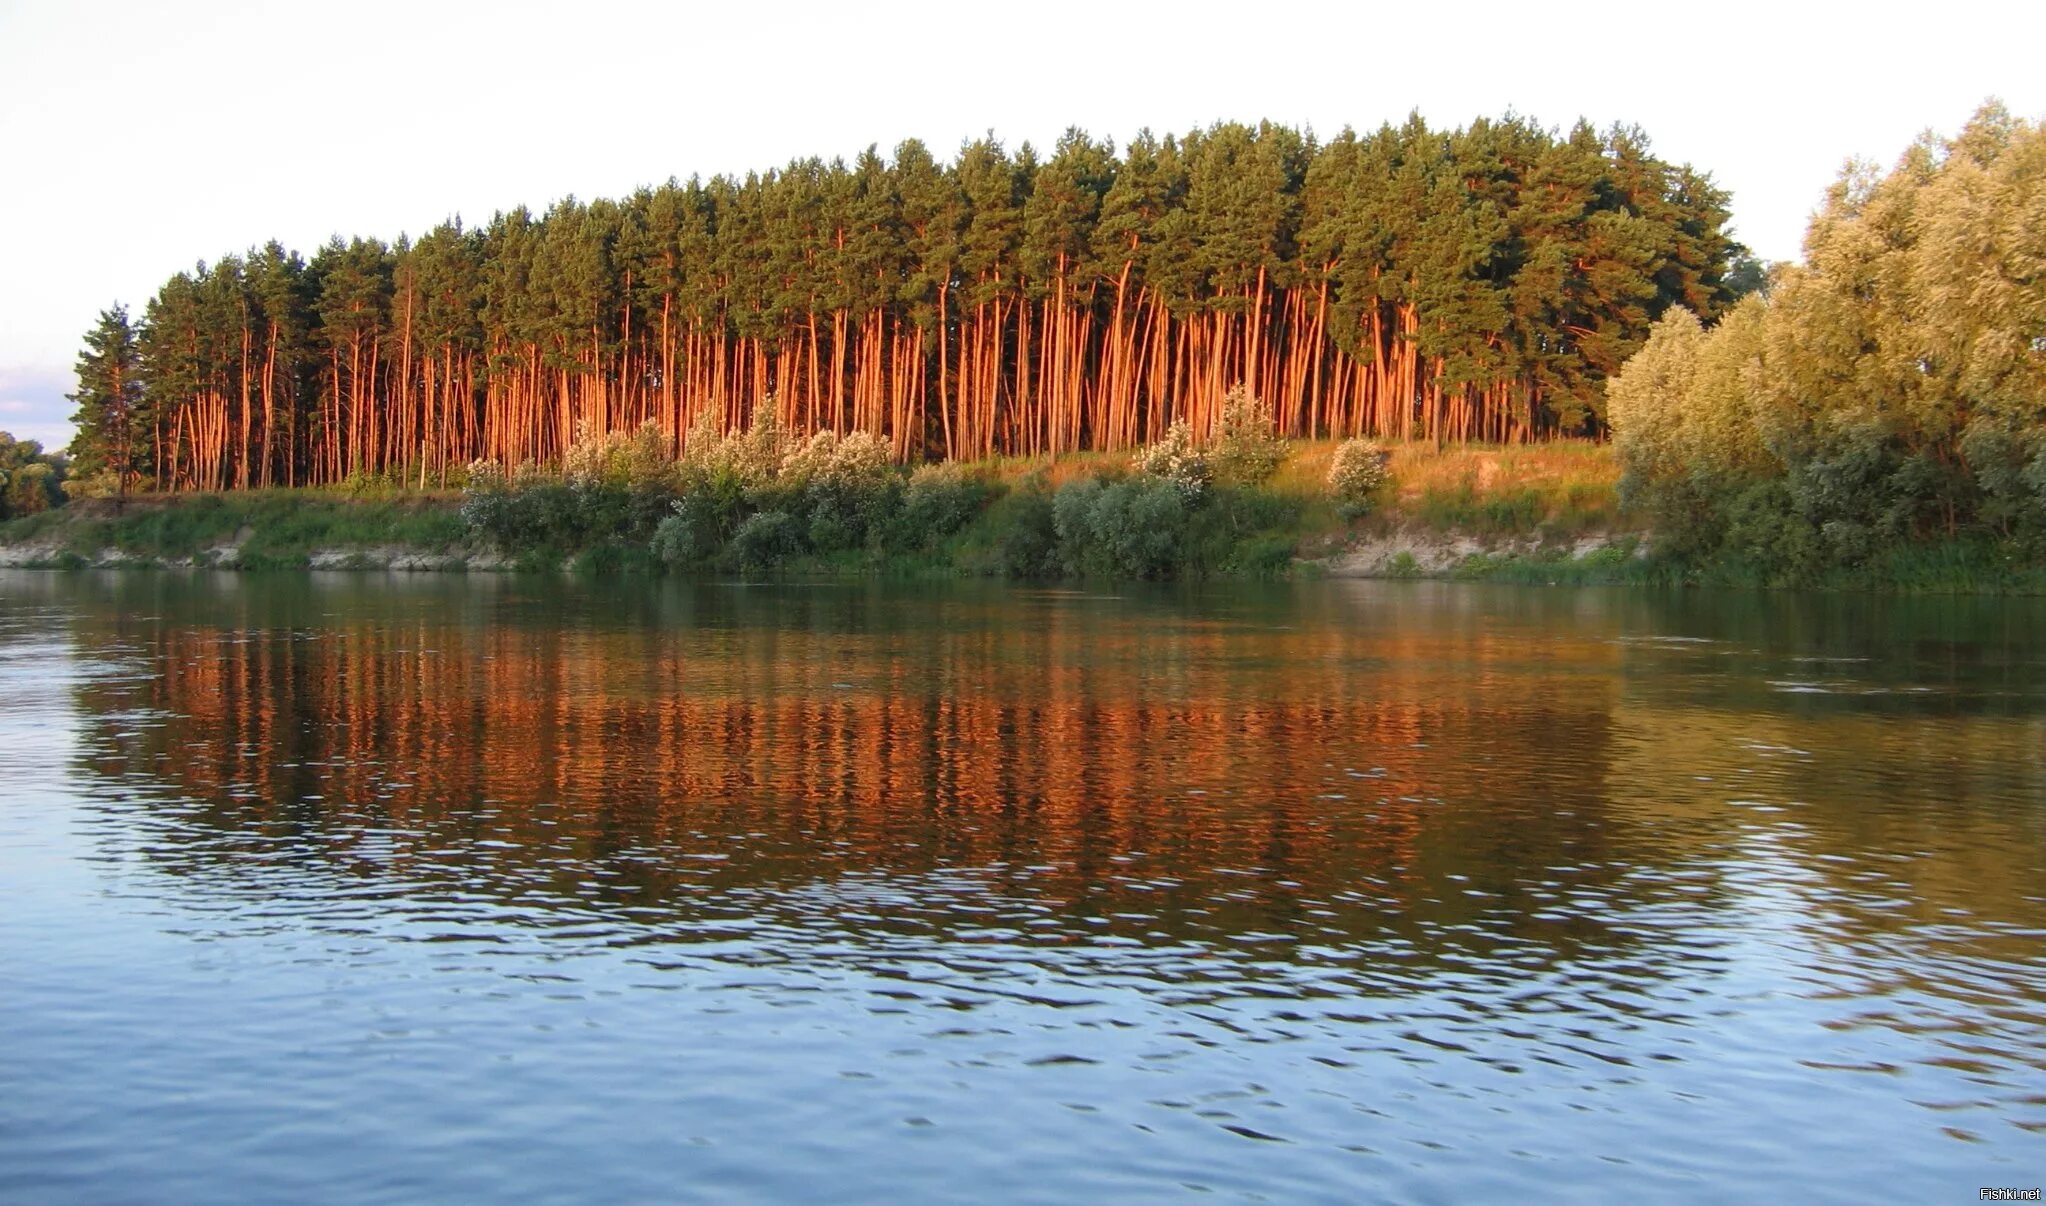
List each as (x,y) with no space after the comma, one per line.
(368,888)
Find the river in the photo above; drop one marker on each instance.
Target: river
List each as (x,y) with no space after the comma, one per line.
(377,887)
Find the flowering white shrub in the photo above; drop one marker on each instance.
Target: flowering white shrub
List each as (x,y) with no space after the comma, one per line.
(482,476)
(750,458)
(637,460)
(1175,459)
(1355,474)
(836,460)
(1247,448)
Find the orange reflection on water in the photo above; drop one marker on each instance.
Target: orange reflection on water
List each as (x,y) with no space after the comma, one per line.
(1106,751)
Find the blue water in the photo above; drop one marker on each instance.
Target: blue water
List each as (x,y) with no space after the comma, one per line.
(369,887)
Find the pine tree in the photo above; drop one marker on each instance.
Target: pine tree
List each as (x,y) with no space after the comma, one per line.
(109,400)
(933,217)
(284,294)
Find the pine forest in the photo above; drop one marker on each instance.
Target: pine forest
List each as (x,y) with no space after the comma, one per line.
(1477,284)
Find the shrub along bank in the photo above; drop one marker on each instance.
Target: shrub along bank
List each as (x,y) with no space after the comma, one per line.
(760,502)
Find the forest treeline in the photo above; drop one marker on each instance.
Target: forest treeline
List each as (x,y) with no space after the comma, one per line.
(1411,283)
(1891,390)
(31,480)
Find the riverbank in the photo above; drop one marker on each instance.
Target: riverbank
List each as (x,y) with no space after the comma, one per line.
(258,529)
(1544,514)
(1438,509)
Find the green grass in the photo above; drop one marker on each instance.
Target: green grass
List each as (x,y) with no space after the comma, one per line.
(34,529)
(1962,567)
(279,528)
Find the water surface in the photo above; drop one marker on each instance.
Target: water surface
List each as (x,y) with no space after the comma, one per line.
(384,887)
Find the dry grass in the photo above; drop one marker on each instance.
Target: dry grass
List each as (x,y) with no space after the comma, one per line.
(1562,487)
(1556,467)
(1055,471)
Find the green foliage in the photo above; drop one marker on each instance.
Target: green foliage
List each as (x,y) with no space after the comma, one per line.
(495,505)
(1243,532)
(1763,529)
(1888,394)
(1465,508)
(1144,527)
(828,494)
(1265,556)
(766,538)
(678,541)
(29,488)
(1617,563)
(100,483)
(827,458)
(1026,544)
(1247,449)
(529,511)
(611,558)
(30,481)
(1137,528)
(938,501)
(1357,473)
(204,522)
(751,500)
(951,519)
(369,483)
(2009,465)
(704,518)
(846,517)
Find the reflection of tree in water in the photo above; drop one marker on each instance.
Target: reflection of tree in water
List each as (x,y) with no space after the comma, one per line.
(1903,731)
(1297,775)
(1530,828)
(1905,858)
(1252,773)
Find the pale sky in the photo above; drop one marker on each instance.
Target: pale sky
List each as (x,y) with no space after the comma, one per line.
(139,138)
